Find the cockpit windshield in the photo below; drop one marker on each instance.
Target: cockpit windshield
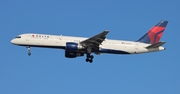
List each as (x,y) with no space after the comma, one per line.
(18,37)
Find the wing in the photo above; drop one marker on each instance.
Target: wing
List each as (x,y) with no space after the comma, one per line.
(95,41)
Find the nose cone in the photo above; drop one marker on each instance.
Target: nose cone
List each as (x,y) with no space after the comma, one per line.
(13,41)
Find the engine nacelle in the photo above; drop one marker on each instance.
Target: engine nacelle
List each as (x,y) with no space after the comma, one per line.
(73,54)
(71,46)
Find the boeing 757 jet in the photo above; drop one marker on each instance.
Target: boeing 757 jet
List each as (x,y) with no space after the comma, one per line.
(98,44)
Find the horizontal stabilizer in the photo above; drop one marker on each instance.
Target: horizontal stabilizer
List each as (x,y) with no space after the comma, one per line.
(156,45)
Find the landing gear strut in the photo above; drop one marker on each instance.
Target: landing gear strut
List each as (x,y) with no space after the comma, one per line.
(29,50)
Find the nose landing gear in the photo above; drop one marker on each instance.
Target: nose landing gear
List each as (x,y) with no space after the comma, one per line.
(29,50)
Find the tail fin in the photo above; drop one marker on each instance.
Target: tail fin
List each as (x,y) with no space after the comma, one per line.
(154,34)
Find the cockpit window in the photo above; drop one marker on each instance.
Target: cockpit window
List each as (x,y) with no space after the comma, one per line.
(18,37)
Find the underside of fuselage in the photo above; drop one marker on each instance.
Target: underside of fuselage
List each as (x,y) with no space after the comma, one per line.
(102,50)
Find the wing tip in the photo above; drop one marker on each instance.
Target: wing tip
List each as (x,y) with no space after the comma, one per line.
(106,31)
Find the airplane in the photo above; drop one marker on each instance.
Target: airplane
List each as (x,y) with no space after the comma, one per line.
(98,44)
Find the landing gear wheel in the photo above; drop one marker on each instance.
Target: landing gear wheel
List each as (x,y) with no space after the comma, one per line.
(87,60)
(29,53)
(91,56)
(90,60)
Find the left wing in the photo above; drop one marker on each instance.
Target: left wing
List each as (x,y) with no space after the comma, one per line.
(95,41)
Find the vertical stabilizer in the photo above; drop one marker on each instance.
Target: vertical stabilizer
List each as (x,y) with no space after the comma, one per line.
(154,34)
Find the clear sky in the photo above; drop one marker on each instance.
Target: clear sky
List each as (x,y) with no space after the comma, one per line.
(47,71)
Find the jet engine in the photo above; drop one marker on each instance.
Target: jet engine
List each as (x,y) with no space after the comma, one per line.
(71,46)
(71,50)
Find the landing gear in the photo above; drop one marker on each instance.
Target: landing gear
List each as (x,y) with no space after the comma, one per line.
(29,50)
(89,58)
(29,53)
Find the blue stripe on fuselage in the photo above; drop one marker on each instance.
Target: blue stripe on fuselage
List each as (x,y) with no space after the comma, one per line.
(112,51)
(145,39)
(43,46)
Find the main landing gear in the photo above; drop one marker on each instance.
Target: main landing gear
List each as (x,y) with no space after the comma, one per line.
(89,58)
(29,50)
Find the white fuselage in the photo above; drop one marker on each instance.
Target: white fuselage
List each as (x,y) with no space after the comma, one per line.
(59,42)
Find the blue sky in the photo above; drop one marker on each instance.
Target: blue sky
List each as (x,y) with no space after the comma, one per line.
(47,71)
